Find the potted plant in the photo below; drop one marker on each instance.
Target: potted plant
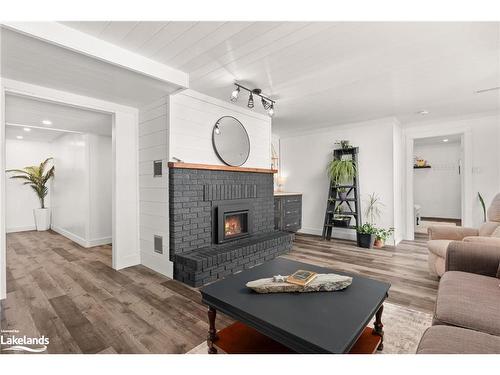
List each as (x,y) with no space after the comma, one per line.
(37,178)
(342,171)
(365,235)
(342,193)
(382,236)
(343,144)
(340,220)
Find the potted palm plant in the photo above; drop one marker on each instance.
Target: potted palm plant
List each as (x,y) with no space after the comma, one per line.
(37,177)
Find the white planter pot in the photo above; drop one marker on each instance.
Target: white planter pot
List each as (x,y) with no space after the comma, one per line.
(42,218)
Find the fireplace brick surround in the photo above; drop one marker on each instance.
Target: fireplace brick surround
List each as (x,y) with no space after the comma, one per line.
(195,195)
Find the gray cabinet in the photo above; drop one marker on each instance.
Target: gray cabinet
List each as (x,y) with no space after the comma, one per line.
(288,212)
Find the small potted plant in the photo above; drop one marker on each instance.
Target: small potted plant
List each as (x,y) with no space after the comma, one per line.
(37,178)
(340,220)
(343,144)
(366,235)
(382,236)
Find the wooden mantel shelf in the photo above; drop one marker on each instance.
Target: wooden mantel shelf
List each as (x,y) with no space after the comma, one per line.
(219,167)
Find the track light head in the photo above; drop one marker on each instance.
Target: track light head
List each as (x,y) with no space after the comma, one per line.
(250,101)
(270,111)
(235,94)
(266,104)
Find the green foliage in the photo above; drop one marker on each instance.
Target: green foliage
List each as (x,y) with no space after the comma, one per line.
(367,228)
(483,205)
(341,172)
(373,209)
(36,177)
(384,234)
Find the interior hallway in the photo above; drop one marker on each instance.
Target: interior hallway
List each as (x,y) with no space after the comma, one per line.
(73,296)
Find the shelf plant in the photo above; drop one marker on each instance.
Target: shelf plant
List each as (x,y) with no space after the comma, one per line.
(339,219)
(341,172)
(37,177)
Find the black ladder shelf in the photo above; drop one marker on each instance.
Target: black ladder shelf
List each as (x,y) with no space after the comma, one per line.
(350,203)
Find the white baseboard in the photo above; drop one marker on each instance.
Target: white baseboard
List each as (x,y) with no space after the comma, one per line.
(81,241)
(158,262)
(73,237)
(127,261)
(340,233)
(20,229)
(100,241)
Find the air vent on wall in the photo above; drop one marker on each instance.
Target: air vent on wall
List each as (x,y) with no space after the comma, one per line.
(157,168)
(158,244)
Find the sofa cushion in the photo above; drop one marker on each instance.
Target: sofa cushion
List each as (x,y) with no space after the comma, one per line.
(438,247)
(454,340)
(488,228)
(469,301)
(496,232)
(494,209)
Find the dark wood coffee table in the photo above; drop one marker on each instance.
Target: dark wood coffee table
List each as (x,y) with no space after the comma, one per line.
(323,322)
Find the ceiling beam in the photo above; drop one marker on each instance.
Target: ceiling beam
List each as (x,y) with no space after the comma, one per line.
(77,41)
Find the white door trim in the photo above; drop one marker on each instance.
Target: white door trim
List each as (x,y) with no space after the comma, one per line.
(125,185)
(410,135)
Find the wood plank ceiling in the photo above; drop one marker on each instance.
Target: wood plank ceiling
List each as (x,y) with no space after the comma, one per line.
(328,73)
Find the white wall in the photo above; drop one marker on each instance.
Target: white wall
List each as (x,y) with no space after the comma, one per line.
(304,158)
(153,191)
(398,187)
(481,144)
(71,187)
(20,199)
(192,118)
(100,183)
(438,189)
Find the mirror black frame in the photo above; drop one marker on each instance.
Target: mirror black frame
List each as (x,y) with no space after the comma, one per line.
(215,147)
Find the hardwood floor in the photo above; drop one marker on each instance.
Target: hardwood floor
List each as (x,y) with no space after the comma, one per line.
(72,295)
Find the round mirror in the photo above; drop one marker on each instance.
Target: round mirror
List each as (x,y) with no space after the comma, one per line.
(231,142)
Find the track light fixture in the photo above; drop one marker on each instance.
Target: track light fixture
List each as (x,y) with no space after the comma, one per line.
(235,94)
(267,103)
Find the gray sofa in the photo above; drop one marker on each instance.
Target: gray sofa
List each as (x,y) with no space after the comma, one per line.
(467,313)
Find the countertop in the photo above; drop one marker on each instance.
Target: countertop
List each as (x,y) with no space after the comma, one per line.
(283,193)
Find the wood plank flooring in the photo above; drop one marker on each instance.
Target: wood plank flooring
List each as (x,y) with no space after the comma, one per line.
(72,295)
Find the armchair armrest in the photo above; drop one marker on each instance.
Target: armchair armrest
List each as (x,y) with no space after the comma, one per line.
(474,257)
(445,232)
(483,239)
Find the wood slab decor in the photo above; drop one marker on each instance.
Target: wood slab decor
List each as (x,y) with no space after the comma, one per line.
(327,282)
(219,167)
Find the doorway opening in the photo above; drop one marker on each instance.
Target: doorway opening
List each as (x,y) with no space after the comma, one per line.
(438,182)
(77,205)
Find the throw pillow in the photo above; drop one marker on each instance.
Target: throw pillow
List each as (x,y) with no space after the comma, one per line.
(496,232)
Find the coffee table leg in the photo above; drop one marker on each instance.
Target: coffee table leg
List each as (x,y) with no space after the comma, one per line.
(212,333)
(379,327)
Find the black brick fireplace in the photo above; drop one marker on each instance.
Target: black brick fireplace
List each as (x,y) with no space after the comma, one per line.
(221,221)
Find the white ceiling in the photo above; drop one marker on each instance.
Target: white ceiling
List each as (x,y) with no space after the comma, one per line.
(328,73)
(32,60)
(30,112)
(454,138)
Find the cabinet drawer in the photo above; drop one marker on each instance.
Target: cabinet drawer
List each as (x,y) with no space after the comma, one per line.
(293,199)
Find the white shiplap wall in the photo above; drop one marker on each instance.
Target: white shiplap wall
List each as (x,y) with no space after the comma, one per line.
(192,118)
(153,191)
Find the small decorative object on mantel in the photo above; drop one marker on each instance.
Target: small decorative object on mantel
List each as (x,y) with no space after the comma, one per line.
(323,282)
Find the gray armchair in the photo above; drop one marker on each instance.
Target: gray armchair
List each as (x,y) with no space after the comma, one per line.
(441,236)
